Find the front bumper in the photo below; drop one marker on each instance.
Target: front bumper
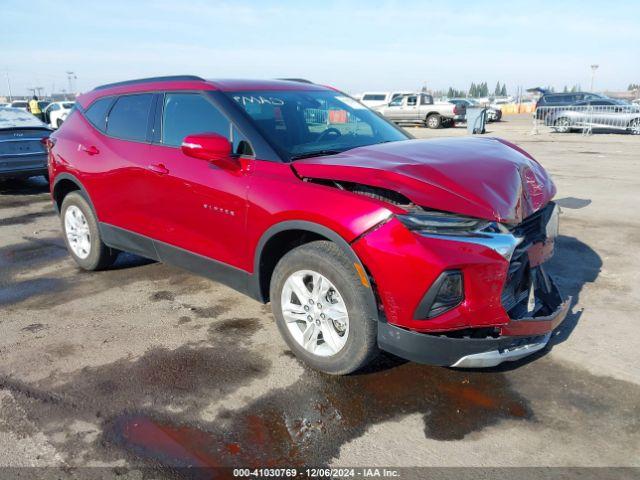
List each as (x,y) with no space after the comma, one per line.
(434,349)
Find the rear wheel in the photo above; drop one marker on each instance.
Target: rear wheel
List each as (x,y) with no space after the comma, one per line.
(433,121)
(82,235)
(634,126)
(323,310)
(562,125)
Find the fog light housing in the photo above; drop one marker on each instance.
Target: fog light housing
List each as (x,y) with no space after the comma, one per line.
(447,292)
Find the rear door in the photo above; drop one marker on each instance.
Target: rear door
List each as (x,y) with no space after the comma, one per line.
(123,185)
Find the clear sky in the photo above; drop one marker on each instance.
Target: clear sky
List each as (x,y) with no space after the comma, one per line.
(354,45)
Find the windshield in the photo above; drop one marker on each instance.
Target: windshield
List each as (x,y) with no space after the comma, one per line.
(303,123)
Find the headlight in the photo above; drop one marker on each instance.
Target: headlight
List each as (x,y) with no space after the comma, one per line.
(442,223)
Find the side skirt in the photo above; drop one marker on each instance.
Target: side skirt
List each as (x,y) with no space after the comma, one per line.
(128,241)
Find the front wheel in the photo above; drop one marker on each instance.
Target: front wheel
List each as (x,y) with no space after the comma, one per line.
(562,125)
(323,309)
(82,235)
(634,126)
(434,121)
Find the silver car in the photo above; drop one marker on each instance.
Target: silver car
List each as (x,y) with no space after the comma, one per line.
(601,114)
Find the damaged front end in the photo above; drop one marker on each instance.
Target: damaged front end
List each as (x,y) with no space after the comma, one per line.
(529,297)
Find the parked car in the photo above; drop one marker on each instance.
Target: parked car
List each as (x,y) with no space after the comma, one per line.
(421,109)
(377,99)
(20,104)
(560,100)
(22,151)
(602,113)
(4,105)
(494,114)
(361,238)
(54,112)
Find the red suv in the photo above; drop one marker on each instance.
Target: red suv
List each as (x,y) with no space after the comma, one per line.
(360,237)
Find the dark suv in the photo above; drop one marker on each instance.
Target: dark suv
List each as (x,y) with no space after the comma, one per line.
(360,237)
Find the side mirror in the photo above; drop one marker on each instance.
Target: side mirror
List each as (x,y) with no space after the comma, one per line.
(211,147)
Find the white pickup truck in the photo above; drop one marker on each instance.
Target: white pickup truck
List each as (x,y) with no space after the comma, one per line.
(420,108)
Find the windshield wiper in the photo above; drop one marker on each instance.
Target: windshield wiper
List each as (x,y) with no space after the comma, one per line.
(318,153)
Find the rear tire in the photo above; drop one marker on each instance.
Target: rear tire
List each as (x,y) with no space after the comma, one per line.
(82,235)
(634,126)
(433,121)
(325,263)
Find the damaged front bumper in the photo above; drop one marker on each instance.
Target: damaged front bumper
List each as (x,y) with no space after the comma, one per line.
(468,352)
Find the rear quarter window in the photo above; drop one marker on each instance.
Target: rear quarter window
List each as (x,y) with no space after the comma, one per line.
(129,117)
(97,113)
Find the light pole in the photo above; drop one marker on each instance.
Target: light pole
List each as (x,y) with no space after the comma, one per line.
(593,74)
(71,76)
(9,85)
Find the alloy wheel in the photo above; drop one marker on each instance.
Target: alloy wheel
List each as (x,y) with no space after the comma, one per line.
(77,231)
(315,313)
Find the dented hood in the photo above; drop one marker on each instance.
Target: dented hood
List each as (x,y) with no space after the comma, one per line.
(485,178)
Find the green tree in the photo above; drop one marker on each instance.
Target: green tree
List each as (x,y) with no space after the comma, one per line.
(498,91)
(503,92)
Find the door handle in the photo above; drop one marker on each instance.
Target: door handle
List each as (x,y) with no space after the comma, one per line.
(90,150)
(159,168)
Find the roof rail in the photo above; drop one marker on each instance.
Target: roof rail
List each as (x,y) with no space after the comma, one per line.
(299,80)
(170,78)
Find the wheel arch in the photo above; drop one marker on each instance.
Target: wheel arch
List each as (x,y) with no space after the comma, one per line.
(64,184)
(281,238)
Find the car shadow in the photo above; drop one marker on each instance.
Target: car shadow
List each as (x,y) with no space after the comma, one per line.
(24,186)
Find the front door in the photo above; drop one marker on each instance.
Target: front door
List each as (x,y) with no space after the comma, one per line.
(202,205)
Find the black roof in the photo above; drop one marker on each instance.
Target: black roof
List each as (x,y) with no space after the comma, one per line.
(170,78)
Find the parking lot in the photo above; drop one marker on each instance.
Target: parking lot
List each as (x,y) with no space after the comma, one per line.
(145,365)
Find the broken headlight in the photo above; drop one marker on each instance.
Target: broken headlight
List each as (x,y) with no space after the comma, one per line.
(439,223)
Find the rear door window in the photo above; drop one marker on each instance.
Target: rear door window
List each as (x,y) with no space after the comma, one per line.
(129,117)
(188,113)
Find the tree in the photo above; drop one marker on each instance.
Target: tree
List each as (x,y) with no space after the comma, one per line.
(484,91)
(473,90)
(498,91)
(503,92)
(565,89)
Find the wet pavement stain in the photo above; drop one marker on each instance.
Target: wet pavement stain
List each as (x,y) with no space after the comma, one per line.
(307,423)
(240,327)
(34,327)
(162,295)
(209,312)
(186,379)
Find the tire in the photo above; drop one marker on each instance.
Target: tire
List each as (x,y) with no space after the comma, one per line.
(634,126)
(326,259)
(433,121)
(562,125)
(98,255)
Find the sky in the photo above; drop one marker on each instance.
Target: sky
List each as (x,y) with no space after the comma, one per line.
(353,45)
